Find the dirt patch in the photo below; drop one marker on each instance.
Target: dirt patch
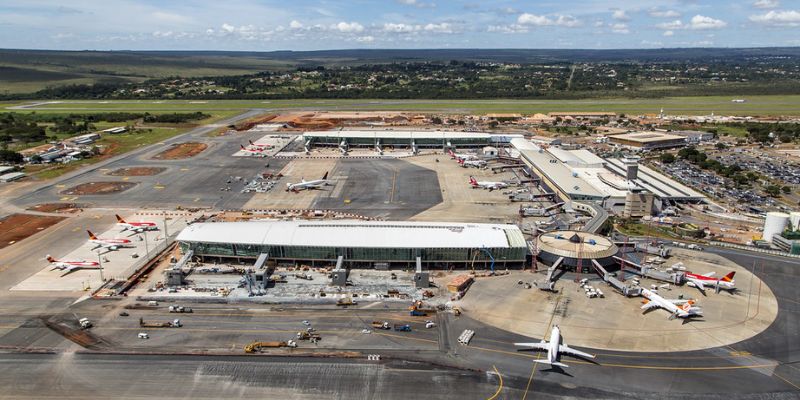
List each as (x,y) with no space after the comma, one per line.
(249,124)
(137,171)
(16,227)
(180,151)
(67,208)
(93,188)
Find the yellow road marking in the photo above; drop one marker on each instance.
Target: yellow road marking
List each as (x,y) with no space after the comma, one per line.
(61,186)
(786,380)
(64,199)
(500,388)
(196,200)
(126,178)
(184,169)
(159,187)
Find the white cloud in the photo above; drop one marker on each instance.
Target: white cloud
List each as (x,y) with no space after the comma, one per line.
(511,28)
(668,33)
(365,39)
(778,18)
(170,17)
(417,3)
(620,15)
(349,27)
(701,22)
(295,24)
(444,27)
(228,28)
(541,20)
(664,13)
(677,24)
(620,28)
(599,24)
(398,28)
(766,4)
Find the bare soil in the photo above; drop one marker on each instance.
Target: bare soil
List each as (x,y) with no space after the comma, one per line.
(16,227)
(95,188)
(181,151)
(137,171)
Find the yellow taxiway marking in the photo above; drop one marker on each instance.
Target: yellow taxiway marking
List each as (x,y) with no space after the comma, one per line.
(77,228)
(786,380)
(196,200)
(159,187)
(184,169)
(73,198)
(64,199)
(539,354)
(499,388)
(61,186)
(104,169)
(126,178)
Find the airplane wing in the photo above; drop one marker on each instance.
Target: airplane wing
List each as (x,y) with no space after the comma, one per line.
(698,283)
(709,274)
(651,305)
(533,346)
(564,349)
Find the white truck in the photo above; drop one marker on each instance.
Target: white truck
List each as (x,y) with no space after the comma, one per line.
(85,323)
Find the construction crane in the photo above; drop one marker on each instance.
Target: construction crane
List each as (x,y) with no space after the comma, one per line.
(488,253)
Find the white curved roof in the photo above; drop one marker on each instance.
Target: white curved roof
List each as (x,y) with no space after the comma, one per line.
(355,233)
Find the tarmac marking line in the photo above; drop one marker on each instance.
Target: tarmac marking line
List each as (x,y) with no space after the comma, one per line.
(539,354)
(499,388)
(786,380)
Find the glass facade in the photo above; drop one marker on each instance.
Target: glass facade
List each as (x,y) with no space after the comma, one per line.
(355,254)
(399,141)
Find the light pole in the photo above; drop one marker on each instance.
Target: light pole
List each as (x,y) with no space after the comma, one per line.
(100,262)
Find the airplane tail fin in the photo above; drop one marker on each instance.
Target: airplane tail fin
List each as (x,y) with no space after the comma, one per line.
(325,177)
(729,277)
(472,181)
(91,235)
(50,259)
(251,143)
(119,219)
(461,161)
(242,146)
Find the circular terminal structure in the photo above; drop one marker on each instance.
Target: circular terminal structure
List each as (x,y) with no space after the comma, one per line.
(577,248)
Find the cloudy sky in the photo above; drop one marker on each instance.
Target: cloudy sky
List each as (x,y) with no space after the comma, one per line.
(263,25)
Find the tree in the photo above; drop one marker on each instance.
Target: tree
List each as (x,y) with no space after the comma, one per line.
(10,156)
(773,190)
(786,189)
(667,158)
(720,146)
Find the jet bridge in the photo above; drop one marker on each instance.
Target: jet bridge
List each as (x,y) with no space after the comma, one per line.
(548,283)
(675,278)
(614,282)
(421,279)
(339,273)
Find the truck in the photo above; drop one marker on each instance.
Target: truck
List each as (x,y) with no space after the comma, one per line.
(85,323)
(346,301)
(256,346)
(402,328)
(176,323)
(381,325)
(308,336)
(417,313)
(180,309)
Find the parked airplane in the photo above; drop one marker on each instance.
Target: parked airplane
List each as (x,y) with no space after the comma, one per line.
(259,146)
(305,185)
(110,244)
(678,308)
(472,163)
(137,227)
(461,156)
(71,266)
(486,184)
(701,281)
(254,152)
(554,349)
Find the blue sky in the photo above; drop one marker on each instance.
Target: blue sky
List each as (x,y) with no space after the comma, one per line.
(263,25)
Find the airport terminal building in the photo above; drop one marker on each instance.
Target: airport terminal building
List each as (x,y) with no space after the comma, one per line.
(361,244)
(402,139)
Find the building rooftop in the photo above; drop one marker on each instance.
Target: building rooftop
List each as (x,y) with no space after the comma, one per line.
(575,244)
(356,233)
(397,133)
(560,174)
(646,137)
(657,183)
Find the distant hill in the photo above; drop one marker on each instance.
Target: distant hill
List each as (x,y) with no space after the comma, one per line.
(26,71)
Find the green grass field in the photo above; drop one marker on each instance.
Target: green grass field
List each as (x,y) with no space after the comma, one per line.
(720,105)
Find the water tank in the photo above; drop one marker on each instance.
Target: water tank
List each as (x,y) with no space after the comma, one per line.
(794,218)
(775,223)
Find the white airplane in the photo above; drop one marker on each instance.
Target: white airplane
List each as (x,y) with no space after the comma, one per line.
(472,163)
(137,227)
(461,156)
(259,146)
(554,349)
(305,185)
(486,184)
(701,281)
(254,152)
(110,244)
(71,266)
(677,308)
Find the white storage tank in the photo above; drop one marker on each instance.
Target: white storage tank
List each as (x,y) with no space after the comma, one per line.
(775,224)
(794,218)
